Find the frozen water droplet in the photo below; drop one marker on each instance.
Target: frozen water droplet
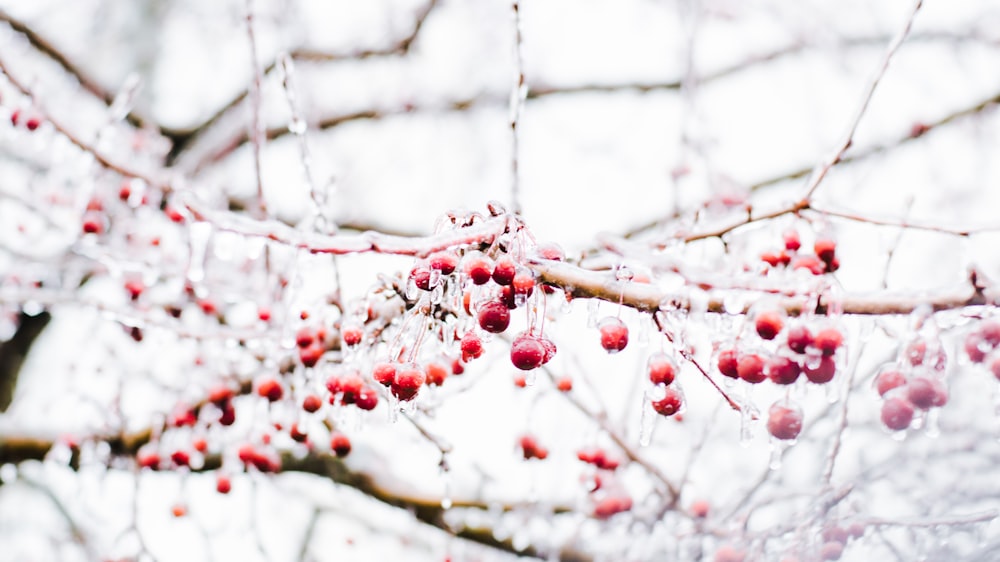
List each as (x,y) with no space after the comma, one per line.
(647,421)
(445,503)
(624,273)
(777,449)
(593,309)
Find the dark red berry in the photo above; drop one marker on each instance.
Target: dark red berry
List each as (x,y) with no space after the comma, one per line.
(670,404)
(436,373)
(828,340)
(384,373)
(352,335)
(526,352)
(782,370)
(897,413)
(421,277)
(504,271)
(494,317)
(822,372)
(269,388)
(783,422)
(769,324)
(662,369)
(445,262)
(792,242)
(728,363)
(799,338)
(531,449)
(751,368)
(826,249)
(311,403)
(926,393)
(340,444)
(888,380)
(222,484)
(408,382)
(472,346)
(479,269)
(614,334)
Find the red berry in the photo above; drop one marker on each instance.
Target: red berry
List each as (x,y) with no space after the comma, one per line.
(457,367)
(222,484)
(727,553)
(263,313)
(897,413)
(408,382)
(751,368)
(783,422)
(769,324)
(384,373)
(340,444)
(700,509)
(662,369)
(995,368)
(799,338)
(612,505)
(550,348)
(926,393)
(772,259)
(494,317)
(311,403)
(421,277)
(352,335)
(134,288)
(32,123)
(888,380)
(531,449)
(181,458)
(832,550)
(782,370)
(472,346)
(550,251)
(174,214)
(270,388)
(810,263)
(179,510)
(148,459)
(200,445)
(728,363)
(93,224)
(305,337)
(526,352)
(311,355)
(479,269)
(828,340)
(670,404)
(445,262)
(436,373)
(366,399)
(297,434)
(614,334)
(564,384)
(504,271)
(792,242)
(220,394)
(523,284)
(974,347)
(990,330)
(822,372)
(915,352)
(520,381)
(228,416)
(825,249)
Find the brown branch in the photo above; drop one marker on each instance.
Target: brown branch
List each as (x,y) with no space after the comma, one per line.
(427,510)
(581,283)
(14,351)
(101,158)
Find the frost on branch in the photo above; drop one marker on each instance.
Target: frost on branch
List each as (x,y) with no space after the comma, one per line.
(259,306)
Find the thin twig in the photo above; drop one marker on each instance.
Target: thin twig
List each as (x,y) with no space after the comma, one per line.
(821,170)
(517,96)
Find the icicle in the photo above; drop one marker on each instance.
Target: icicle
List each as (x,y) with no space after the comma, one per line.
(647,420)
(593,309)
(199,235)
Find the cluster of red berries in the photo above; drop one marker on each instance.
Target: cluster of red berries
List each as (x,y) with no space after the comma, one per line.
(30,120)
(823,259)
(608,501)
(662,370)
(981,345)
(802,352)
(915,383)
